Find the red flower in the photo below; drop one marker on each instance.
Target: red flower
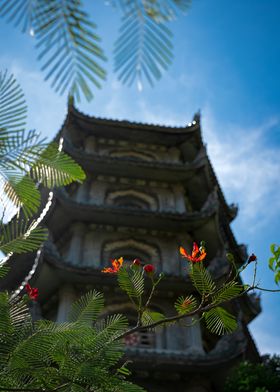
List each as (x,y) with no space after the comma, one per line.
(198,254)
(136,262)
(116,264)
(252,258)
(31,292)
(149,269)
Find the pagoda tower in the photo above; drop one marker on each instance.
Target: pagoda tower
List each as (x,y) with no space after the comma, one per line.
(149,190)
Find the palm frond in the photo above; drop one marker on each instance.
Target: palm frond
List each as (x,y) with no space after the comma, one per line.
(87,308)
(143,49)
(219,321)
(19,237)
(13,108)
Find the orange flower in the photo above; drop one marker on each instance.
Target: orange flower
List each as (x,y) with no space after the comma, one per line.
(116,264)
(198,254)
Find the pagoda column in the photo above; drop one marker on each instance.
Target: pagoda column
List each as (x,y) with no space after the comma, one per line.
(193,336)
(74,255)
(82,192)
(179,199)
(67,296)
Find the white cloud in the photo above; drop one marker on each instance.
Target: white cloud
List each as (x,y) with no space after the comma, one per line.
(248,170)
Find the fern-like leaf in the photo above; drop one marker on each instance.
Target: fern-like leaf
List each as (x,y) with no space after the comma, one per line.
(87,308)
(201,278)
(131,281)
(13,108)
(19,237)
(143,49)
(185,305)
(219,321)
(55,168)
(227,292)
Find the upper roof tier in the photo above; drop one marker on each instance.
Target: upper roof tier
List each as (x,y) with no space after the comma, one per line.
(165,153)
(133,131)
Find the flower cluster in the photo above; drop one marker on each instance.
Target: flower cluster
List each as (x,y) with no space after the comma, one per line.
(116,265)
(197,255)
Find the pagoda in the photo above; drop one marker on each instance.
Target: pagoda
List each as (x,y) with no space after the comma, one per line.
(149,190)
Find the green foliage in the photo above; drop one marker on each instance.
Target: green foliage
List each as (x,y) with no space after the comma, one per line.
(227,292)
(25,162)
(185,305)
(66,41)
(219,321)
(251,377)
(150,317)
(274,262)
(87,308)
(143,48)
(201,278)
(69,47)
(13,109)
(18,236)
(131,280)
(73,356)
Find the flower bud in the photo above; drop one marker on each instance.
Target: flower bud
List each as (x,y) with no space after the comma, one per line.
(136,262)
(149,269)
(252,258)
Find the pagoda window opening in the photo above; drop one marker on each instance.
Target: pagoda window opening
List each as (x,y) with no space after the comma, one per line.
(131,198)
(133,154)
(131,249)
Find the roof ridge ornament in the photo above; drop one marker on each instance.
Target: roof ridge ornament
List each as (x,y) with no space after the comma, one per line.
(71,101)
(197,116)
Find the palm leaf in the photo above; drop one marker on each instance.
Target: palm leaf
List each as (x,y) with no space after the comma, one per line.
(13,108)
(143,49)
(219,321)
(87,308)
(19,237)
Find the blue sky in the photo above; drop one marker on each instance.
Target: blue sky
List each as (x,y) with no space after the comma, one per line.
(227,62)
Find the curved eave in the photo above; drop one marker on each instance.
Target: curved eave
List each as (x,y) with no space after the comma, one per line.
(251,308)
(183,361)
(162,171)
(133,131)
(68,210)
